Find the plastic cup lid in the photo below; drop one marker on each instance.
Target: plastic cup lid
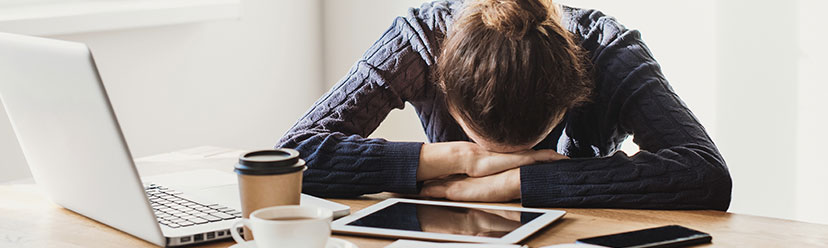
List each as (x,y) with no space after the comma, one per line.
(270,162)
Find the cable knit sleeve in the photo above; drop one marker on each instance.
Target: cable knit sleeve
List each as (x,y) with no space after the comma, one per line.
(331,136)
(678,166)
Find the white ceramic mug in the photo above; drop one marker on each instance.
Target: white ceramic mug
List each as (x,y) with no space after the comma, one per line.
(287,226)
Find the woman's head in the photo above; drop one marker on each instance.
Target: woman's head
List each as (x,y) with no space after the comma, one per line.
(510,71)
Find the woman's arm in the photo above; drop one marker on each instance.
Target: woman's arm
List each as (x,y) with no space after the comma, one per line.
(678,166)
(331,136)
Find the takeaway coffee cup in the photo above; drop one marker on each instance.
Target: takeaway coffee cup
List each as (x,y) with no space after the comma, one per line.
(269,178)
(287,226)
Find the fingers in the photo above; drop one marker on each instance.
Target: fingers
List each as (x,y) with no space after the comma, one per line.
(455,189)
(546,155)
(483,189)
(434,189)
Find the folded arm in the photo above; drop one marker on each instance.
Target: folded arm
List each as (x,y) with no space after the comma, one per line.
(678,166)
(331,136)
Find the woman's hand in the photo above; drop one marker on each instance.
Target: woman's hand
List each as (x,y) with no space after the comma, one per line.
(449,158)
(501,187)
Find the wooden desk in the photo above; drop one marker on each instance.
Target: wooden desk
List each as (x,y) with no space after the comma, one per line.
(29,219)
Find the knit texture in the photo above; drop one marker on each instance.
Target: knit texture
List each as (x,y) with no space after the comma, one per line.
(678,166)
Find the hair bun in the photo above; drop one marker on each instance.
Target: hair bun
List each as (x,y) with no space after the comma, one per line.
(513,18)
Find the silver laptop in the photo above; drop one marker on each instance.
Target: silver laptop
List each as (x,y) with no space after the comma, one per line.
(71,139)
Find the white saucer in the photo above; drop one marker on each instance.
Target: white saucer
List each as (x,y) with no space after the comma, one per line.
(332,243)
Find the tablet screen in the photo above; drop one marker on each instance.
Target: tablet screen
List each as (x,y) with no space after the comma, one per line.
(481,222)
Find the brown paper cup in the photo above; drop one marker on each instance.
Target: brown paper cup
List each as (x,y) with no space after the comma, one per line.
(259,192)
(267,180)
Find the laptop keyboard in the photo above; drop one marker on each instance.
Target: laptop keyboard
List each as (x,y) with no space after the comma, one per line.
(175,212)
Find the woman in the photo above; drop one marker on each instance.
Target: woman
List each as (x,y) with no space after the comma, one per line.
(520,99)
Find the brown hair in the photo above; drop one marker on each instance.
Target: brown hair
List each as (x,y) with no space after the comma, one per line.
(509,69)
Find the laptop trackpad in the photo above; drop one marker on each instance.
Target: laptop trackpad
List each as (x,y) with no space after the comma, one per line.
(226,195)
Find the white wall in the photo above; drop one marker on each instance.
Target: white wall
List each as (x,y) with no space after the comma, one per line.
(812,114)
(233,83)
(12,163)
(757,85)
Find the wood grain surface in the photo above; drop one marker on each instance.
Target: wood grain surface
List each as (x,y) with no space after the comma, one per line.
(29,219)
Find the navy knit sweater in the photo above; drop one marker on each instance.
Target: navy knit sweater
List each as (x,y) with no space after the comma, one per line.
(678,166)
